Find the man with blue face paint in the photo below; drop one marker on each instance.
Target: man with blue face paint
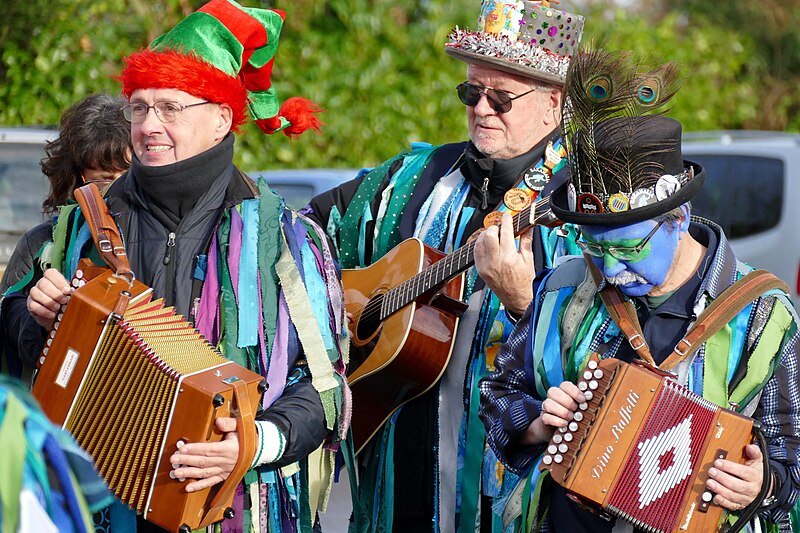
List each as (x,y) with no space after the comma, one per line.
(629,192)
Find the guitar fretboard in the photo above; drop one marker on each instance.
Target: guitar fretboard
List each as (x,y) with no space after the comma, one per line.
(448,267)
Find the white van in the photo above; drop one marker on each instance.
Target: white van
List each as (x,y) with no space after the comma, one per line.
(752,190)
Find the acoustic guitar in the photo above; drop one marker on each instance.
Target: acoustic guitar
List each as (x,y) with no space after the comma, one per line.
(404,310)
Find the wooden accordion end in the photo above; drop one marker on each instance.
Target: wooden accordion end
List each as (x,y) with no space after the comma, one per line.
(641,446)
(130,380)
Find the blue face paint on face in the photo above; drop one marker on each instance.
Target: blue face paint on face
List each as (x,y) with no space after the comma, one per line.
(640,275)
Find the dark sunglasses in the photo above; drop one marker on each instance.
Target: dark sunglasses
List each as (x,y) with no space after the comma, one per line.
(499,100)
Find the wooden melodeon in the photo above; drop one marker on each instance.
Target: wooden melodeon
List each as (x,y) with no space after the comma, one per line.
(641,446)
(131,380)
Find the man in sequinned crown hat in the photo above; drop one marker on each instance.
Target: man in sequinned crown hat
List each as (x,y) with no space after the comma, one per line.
(516,61)
(228,255)
(648,273)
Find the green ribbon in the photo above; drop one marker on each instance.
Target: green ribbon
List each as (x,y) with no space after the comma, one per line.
(67,214)
(12,460)
(715,369)
(270,239)
(350,228)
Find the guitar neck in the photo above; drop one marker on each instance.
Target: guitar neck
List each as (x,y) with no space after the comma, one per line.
(457,262)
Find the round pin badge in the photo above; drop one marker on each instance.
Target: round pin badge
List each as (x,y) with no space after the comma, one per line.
(492,219)
(536,179)
(618,202)
(516,199)
(590,204)
(666,186)
(642,197)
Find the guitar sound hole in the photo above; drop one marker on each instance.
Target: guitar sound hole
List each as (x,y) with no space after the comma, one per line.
(370,319)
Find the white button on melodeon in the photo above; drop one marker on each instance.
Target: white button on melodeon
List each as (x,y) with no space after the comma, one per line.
(592,364)
(568,437)
(552,449)
(588,395)
(587,375)
(583,385)
(598,373)
(577,416)
(573,426)
(547,460)
(593,385)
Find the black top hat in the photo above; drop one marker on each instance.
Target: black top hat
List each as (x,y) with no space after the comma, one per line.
(635,172)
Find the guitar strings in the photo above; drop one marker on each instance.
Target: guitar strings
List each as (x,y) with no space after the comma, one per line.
(404,293)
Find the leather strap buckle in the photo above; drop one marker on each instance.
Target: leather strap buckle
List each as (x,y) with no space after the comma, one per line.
(637,342)
(683,347)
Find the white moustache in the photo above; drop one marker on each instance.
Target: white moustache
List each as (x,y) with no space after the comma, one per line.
(626,277)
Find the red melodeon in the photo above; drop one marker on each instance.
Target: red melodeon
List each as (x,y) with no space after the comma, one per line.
(130,380)
(641,446)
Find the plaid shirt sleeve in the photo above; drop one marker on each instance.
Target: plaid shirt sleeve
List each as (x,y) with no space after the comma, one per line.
(779,413)
(509,403)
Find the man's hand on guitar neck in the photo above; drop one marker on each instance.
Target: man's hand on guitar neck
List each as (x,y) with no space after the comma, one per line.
(508,272)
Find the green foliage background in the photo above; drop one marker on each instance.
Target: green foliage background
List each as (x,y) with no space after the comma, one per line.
(379,70)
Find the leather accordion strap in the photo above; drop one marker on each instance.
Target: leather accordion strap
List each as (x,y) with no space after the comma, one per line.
(622,313)
(104,230)
(722,310)
(713,318)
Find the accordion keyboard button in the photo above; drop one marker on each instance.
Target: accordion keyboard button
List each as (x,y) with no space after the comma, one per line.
(568,437)
(577,416)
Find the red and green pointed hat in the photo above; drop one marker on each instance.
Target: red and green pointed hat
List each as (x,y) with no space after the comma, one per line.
(223,53)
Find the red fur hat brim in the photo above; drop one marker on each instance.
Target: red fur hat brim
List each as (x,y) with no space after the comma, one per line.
(169,69)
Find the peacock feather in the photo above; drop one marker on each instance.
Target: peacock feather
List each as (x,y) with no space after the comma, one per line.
(607,99)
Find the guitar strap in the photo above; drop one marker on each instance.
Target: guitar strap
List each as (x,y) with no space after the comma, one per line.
(713,318)
(105,232)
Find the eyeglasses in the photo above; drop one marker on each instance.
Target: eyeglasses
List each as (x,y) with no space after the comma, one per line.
(623,253)
(500,101)
(165,111)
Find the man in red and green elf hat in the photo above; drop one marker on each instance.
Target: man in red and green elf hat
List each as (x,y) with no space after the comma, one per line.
(256,279)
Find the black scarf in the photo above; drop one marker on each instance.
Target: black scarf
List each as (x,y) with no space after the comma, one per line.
(502,173)
(173,190)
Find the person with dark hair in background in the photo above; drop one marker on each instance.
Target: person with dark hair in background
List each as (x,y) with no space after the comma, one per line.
(93,144)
